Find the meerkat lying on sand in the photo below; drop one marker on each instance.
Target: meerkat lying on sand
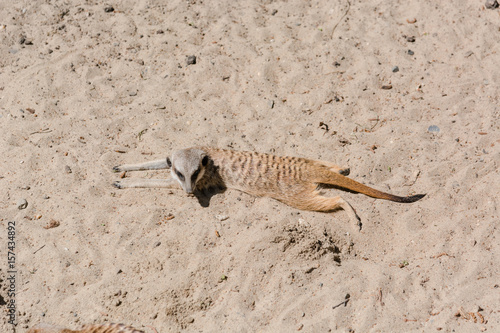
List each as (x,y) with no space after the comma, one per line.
(291,180)
(104,328)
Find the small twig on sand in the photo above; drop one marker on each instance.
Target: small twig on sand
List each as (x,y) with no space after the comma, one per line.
(45,130)
(343,16)
(347,298)
(39,249)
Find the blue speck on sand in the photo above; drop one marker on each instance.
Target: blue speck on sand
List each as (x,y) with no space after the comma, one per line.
(433,129)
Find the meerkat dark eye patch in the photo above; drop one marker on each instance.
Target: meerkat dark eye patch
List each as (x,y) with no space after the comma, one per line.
(180,175)
(204,161)
(169,162)
(195,175)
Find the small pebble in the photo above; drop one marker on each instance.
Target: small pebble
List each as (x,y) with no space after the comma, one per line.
(411,21)
(191,60)
(190,320)
(410,39)
(132,93)
(52,224)
(491,4)
(468,54)
(109,9)
(274,12)
(67,169)
(270,104)
(395,69)
(221,217)
(433,129)
(38,216)
(22,204)
(387,86)
(410,52)
(157,244)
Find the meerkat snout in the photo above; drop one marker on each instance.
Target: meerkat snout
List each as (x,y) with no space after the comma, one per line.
(187,167)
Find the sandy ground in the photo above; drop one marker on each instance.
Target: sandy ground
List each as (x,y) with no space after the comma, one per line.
(83,89)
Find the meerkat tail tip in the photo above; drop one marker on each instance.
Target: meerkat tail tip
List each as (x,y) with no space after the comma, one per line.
(413,198)
(345,171)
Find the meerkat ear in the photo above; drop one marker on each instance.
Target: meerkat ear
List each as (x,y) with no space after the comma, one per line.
(204,161)
(169,162)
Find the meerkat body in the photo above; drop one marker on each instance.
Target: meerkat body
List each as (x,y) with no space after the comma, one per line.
(291,180)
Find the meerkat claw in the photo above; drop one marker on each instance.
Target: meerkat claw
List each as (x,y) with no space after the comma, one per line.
(118,184)
(345,172)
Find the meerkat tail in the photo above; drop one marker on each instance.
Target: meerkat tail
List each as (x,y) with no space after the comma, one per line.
(335,179)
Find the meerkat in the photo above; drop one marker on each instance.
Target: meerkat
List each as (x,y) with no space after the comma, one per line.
(99,328)
(292,180)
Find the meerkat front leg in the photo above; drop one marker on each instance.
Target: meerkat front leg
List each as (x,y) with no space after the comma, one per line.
(152,165)
(146,183)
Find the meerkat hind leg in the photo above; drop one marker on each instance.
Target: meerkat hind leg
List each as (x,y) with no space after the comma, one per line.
(146,183)
(329,204)
(335,168)
(151,165)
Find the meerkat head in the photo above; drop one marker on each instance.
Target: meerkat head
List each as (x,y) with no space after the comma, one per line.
(187,166)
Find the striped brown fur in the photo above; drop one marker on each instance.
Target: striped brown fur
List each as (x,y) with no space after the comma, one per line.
(96,328)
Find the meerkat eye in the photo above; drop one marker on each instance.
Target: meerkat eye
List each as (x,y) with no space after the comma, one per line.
(204,161)
(195,175)
(180,175)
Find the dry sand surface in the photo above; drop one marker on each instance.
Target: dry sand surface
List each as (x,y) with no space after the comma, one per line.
(83,89)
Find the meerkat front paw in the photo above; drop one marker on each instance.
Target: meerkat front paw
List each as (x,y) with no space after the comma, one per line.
(117,168)
(118,184)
